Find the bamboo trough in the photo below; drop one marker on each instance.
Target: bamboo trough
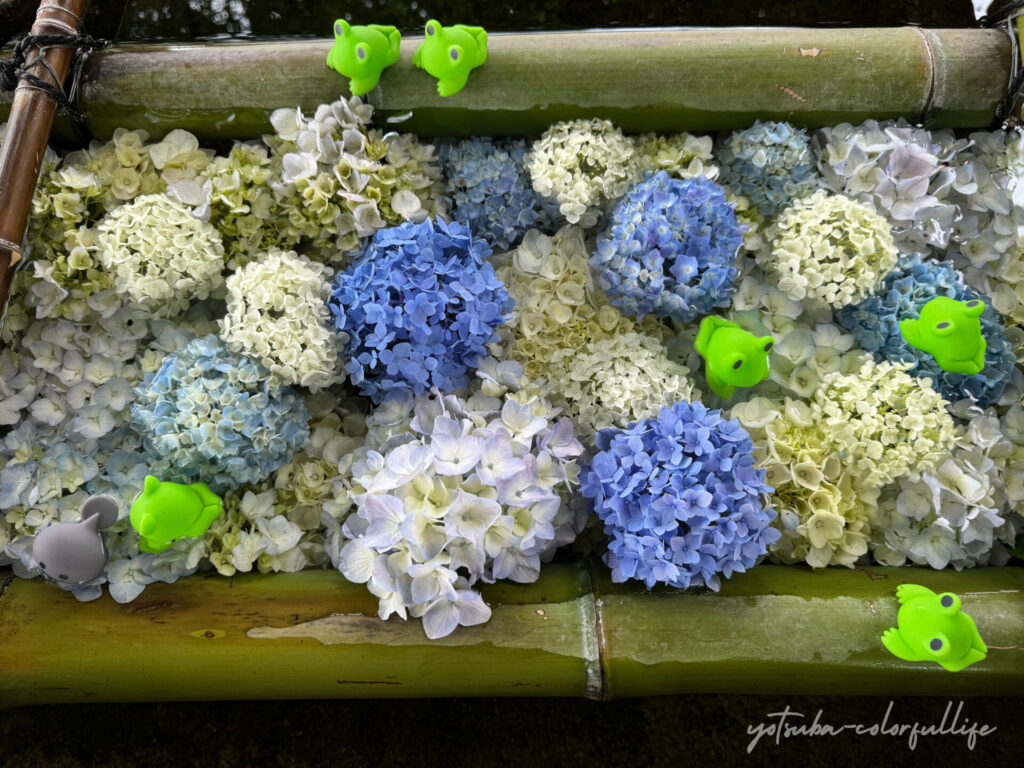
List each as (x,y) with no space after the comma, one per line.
(776,629)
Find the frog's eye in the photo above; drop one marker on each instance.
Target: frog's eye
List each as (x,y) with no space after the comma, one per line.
(973,304)
(737,365)
(338,29)
(947,600)
(454,53)
(935,644)
(940,326)
(768,346)
(430,29)
(361,52)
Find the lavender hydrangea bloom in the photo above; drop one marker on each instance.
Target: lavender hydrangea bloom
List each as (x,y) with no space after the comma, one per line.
(209,414)
(419,305)
(680,498)
(492,193)
(915,281)
(670,249)
(769,163)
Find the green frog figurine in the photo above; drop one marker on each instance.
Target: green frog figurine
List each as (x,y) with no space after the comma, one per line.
(450,54)
(362,53)
(732,356)
(165,512)
(933,628)
(950,331)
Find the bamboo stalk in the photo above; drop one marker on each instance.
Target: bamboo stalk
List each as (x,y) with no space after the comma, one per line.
(28,131)
(313,635)
(699,80)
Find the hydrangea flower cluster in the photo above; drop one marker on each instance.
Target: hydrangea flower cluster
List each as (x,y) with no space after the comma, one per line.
(682,155)
(492,194)
(824,511)
(336,181)
(770,164)
(670,249)
(680,498)
(160,255)
(557,307)
(615,381)
(828,248)
(208,414)
(901,171)
(905,290)
(885,423)
(419,305)
(952,514)
(277,313)
(454,492)
(583,164)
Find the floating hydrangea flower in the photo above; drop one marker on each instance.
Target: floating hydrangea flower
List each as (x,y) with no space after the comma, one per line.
(680,498)
(277,312)
(905,290)
(615,381)
(885,423)
(583,164)
(828,248)
(419,305)
(491,190)
(669,249)
(451,492)
(770,164)
(903,172)
(824,511)
(209,414)
(160,255)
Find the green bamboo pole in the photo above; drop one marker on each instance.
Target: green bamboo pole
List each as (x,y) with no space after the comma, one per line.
(312,635)
(699,80)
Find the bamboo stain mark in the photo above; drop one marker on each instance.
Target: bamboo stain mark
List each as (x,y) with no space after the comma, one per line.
(812,52)
(5,582)
(208,634)
(791,93)
(871,607)
(151,607)
(875,576)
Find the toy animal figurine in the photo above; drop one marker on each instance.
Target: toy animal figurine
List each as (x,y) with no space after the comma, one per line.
(450,54)
(73,553)
(165,512)
(362,53)
(950,331)
(732,356)
(933,628)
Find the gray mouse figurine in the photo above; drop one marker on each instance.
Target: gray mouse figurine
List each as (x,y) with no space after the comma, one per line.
(73,553)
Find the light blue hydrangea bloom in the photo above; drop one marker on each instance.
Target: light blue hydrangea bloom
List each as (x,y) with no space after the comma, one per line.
(491,190)
(418,307)
(670,249)
(680,498)
(209,414)
(915,281)
(769,164)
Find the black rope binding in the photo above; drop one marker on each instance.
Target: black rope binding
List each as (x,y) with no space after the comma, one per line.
(1005,17)
(17,68)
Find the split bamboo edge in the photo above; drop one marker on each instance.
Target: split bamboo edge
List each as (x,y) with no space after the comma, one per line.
(774,629)
(644,80)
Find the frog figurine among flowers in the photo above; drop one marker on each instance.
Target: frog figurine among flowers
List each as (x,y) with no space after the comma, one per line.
(732,356)
(165,512)
(450,54)
(950,331)
(363,53)
(933,628)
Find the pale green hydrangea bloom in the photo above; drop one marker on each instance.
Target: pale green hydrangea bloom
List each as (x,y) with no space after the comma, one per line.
(682,155)
(161,256)
(828,248)
(277,313)
(586,165)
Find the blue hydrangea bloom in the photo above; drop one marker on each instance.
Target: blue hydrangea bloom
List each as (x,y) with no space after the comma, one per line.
(670,249)
(769,164)
(491,191)
(209,414)
(680,499)
(418,306)
(875,322)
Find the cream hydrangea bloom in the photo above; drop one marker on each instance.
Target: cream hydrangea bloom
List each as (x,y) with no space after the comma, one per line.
(828,248)
(682,155)
(160,255)
(277,312)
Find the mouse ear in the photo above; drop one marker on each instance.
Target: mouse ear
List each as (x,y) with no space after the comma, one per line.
(102,507)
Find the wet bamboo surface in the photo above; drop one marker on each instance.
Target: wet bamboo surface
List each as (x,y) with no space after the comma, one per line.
(691,79)
(776,629)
